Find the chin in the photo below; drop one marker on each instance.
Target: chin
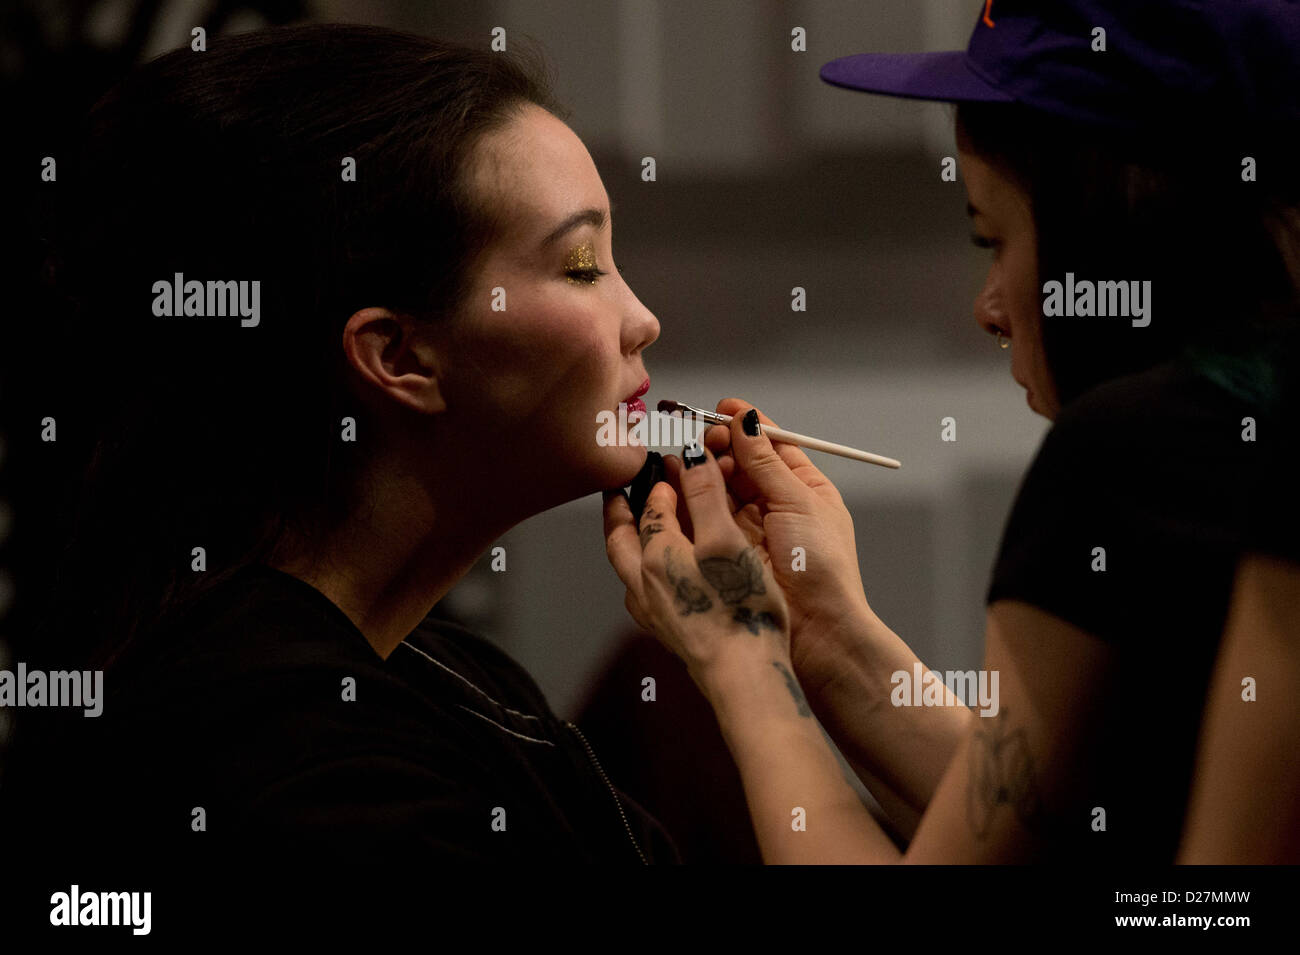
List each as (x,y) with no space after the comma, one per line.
(614,458)
(613,467)
(1035,405)
(623,463)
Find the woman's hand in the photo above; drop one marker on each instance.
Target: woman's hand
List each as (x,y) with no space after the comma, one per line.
(712,600)
(716,604)
(789,510)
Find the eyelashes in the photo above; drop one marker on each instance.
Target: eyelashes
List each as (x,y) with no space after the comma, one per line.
(586,276)
(580,266)
(983,241)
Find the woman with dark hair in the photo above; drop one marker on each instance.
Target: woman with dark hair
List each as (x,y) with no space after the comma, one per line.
(340,310)
(1131,168)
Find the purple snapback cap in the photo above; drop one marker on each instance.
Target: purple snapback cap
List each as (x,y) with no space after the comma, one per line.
(1154,62)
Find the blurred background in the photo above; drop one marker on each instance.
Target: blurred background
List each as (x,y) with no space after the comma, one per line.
(767,179)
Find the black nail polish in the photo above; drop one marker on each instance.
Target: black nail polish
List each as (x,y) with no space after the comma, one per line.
(750,422)
(693,454)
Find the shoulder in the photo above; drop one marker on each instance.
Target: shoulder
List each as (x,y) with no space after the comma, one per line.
(270,664)
(263,641)
(1137,499)
(1275,507)
(285,719)
(1165,440)
(257,641)
(249,609)
(472,661)
(274,704)
(1155,409)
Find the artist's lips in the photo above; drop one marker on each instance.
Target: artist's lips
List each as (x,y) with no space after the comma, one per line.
(633,401)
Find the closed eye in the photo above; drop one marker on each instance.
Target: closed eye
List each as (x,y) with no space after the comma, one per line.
(585,275)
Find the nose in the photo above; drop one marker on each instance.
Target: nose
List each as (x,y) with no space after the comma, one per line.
(640,328)
(989,312)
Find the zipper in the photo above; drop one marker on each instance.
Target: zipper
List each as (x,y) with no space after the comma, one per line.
(595,762)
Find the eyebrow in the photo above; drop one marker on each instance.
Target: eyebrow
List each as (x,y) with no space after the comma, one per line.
(972,211)
(593,216)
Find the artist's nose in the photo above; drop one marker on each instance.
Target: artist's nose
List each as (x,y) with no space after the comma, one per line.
(989,312)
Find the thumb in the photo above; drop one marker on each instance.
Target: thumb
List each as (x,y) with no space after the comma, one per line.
(754,454)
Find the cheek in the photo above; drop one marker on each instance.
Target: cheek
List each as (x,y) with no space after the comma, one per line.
(1019,282)
(552,370)
(579,361)
(1025,305)
(584,375)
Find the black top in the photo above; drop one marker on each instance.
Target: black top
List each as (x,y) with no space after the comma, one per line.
(272,712)
(1275,502)
(1149,472)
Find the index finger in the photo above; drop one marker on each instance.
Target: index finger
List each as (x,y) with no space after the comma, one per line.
(659,516)
(673,465)
(793,455)
(621,544)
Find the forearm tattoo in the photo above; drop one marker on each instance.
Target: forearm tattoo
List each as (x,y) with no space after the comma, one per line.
(689,598)
(792,685)
(1002,773)
(734,580)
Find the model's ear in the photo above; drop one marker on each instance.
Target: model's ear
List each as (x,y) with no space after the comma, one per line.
(394,353)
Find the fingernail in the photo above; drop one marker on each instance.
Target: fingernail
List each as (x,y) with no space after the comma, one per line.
(693,454)
(750,422)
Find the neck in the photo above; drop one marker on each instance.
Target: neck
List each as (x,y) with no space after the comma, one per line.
(387,566)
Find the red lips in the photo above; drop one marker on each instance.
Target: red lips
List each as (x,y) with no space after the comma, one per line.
(633,401)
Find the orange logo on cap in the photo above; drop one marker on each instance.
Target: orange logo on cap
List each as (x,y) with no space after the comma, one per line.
(988,8)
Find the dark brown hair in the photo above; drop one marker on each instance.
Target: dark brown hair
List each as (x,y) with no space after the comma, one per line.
(227,165)
(1223,254)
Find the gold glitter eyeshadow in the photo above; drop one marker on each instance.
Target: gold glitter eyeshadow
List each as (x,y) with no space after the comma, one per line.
(581,259)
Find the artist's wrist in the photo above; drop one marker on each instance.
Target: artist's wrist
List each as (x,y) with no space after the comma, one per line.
(837,630)
(740,678)
(758,711)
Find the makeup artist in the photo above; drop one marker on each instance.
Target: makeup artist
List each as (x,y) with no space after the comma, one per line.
(1109,140)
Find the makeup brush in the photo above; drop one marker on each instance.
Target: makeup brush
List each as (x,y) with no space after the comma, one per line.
(668,406)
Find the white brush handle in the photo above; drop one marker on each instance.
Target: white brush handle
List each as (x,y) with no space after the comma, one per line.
(817,444)
(830,447)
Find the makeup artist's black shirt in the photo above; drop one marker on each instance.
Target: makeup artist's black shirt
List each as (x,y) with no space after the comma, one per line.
(1148,477)
(272,713)
(1275,500)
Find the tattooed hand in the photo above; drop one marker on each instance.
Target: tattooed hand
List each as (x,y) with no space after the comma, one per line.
(709,599)
(796,519)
